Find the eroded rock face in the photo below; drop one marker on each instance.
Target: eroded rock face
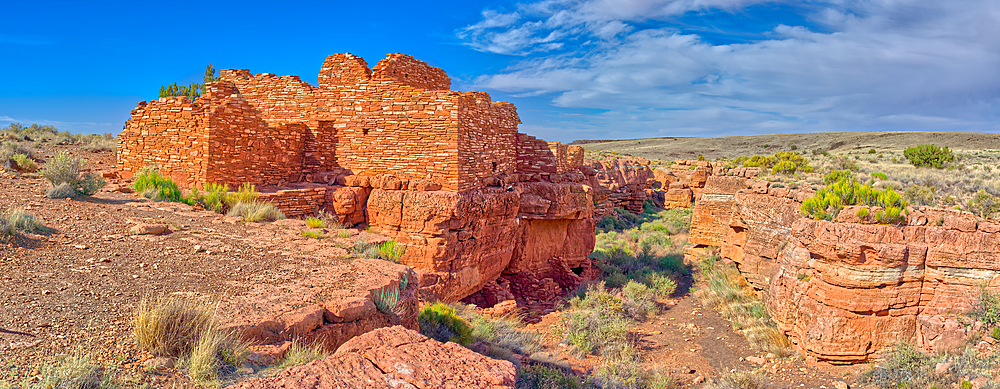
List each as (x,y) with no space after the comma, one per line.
(458,242)
(394,357)
(843,291)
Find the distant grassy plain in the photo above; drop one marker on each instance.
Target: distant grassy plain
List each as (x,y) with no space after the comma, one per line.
(833,142)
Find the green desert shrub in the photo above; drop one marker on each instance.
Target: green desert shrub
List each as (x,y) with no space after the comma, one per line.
(881,176)
(843,189)
(152,185)
(256,211)
(387,297)
(212,197)
(784,162)
(438,321)
(929,155)
(65,169)
(545,377)
(24,162)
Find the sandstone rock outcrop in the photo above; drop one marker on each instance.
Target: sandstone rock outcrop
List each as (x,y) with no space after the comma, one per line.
(394,357)
(843,291)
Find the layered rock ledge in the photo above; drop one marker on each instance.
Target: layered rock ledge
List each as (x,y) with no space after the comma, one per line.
(845,290)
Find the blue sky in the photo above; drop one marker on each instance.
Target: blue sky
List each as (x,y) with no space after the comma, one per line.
(575,69)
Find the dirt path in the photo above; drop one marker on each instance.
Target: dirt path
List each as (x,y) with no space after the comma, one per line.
(695,343)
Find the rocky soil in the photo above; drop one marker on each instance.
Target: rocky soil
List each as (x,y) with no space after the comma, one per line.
(72,290)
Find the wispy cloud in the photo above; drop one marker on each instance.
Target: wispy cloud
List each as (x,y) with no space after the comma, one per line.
(882,64)
(75,127)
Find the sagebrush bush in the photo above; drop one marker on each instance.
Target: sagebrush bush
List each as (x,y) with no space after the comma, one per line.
(61,191)
(152,185)
(438,321)
(919,194)
(65,169)
(983,204)
(929,155)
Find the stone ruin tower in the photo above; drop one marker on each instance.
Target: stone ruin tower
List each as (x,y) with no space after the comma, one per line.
(446,173)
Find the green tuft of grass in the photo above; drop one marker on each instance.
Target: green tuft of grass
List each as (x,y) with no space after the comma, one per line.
(390,250)
(315,222)
(312,234)
(438,321)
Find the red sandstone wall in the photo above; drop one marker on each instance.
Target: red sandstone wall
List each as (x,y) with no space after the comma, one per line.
(489,134)
(170,133)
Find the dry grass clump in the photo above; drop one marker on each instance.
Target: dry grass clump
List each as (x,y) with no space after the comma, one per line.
(73,372)
(726,291)
(256,211)
(171,326)
(188,330)
(739,380)
(17,221)
(299,354)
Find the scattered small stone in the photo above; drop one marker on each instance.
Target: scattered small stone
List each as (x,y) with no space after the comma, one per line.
(841,385)
(148,229)
(942,367)
(158,363)
(698,380)
(756,359)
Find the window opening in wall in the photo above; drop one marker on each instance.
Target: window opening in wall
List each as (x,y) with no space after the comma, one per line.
(364,131)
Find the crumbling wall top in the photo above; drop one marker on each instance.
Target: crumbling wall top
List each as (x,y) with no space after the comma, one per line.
(343,70)
(407,70)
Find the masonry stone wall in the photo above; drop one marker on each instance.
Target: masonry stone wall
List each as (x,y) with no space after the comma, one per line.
(398,118)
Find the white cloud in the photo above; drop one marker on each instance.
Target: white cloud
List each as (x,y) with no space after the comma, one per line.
(886,64)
